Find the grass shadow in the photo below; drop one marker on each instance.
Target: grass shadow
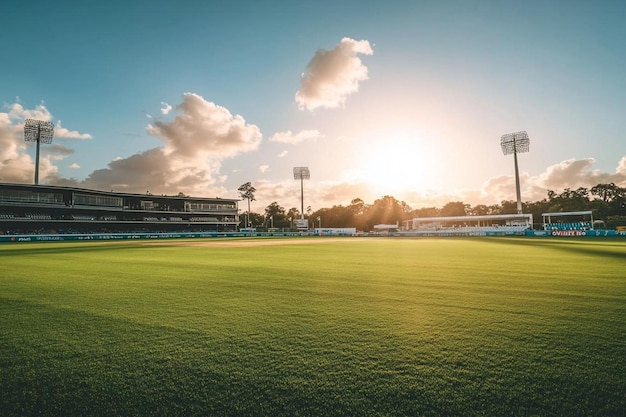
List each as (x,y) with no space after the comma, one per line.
(613,248)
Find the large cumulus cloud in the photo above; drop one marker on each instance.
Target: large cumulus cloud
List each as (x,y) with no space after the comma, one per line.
(571,173)
(196,140)
(204,129)
(16,164)
(332,75)
(195,143)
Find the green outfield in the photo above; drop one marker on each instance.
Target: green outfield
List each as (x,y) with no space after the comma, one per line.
(314,327)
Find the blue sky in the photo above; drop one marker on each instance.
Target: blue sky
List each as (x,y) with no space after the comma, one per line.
(402,98)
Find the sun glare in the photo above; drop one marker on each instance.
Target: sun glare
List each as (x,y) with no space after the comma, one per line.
(402,162)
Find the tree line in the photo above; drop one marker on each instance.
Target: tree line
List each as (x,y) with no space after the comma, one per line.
(606,201)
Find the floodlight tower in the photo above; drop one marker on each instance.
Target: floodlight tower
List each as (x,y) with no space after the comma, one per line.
(301,173)
(514,143)
(38,131)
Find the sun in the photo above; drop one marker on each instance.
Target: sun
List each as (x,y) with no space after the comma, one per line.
(398,163)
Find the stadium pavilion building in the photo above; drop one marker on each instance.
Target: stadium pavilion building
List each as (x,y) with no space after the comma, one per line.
(65,210)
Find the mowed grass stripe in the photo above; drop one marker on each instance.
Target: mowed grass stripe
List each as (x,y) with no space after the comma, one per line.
(354,327)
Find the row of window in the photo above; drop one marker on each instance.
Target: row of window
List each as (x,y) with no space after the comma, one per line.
(80,199)
(31,197)
(81,217)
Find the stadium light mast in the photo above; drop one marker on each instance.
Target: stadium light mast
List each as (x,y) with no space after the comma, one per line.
(514,143)
(38,131)
(301,173)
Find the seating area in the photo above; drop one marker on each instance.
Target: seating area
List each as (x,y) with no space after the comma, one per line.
(568,226)
(81,217)
(492,228)
(479,224)
(38,216)
(203,219)
(429,226)
(471,229)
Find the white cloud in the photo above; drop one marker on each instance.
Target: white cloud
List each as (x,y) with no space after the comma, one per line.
(283,154)
(17,112)
(74,166)
(204,129)
(331,76)
(61,132)
(158,173)
(263,168)
(571,173)
(621,168)
(196,141)
(282,192)
(165,110)
(290,137)
(16,165)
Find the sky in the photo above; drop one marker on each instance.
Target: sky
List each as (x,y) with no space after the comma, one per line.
(401,98)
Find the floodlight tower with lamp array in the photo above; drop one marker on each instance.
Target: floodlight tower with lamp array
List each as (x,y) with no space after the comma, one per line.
(38,131)
(514,143)
(301,173)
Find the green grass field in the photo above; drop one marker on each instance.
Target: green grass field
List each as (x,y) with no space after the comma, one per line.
(314,327)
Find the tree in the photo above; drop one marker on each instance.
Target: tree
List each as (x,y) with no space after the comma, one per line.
(336,216)
(482,210)
(536,208)
(246,192)
(256,219)
(614,221)
(601,209)
(357,206)
(293,214)
(276,214)
(509,207)
(454,208)
(569,200)
(425,212)
(357,209)
(608,192)
(387,210)
(609,204)
(612,195)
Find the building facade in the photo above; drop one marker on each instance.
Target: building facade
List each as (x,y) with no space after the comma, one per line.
(49,209)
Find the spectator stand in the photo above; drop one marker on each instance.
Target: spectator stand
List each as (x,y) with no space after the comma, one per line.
(568,222)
